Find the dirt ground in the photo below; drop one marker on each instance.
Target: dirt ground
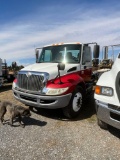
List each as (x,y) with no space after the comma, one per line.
(48,135)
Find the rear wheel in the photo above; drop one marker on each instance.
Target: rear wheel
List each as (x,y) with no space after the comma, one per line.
(102,124)
(76,102)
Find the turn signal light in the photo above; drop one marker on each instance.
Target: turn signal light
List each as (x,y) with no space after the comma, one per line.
(97,89)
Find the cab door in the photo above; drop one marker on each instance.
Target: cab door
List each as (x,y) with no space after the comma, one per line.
(86,64)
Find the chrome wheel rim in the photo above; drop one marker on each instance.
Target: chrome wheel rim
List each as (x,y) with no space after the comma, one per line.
(77,102)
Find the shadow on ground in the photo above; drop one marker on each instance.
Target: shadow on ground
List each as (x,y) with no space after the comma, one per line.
(87,111)
(114,131)
(27,121)
(31,121)
(6,87)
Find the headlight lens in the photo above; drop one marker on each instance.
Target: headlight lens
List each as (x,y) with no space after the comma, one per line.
(107,91)
(14,84)
(101,90)
(59,91)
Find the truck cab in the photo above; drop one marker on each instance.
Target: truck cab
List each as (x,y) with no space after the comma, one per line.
(107,96)
(60,78)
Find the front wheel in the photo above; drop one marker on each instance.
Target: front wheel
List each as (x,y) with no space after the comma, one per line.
(76,102)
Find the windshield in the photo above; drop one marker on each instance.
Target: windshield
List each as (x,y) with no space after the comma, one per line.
(69,53)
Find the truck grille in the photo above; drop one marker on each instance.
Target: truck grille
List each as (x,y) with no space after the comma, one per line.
(30,81)
(111,106)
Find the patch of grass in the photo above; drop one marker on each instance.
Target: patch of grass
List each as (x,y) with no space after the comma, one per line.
(92,119)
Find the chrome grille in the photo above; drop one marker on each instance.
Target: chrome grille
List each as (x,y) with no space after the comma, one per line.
(30,82)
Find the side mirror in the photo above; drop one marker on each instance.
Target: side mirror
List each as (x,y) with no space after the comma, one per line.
(61,66)
(37,55)
(96,51)
(106,52)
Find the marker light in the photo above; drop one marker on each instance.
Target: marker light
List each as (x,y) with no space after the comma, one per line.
(97,89)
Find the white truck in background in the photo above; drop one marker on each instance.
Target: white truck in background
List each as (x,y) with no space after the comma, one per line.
(107,96)
(107,59)
(7,74)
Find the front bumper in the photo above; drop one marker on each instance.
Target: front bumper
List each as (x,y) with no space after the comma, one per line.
(109,114)
(40,101)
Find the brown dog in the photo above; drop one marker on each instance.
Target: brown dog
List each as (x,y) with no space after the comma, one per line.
(14,111)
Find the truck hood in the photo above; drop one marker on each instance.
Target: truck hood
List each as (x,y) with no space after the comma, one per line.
(109,79)
(51,68)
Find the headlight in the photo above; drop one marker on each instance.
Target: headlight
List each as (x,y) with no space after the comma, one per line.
(14,84)
(101,90)
(59,91)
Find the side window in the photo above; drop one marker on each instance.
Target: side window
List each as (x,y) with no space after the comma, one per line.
(86,55)
(46,56)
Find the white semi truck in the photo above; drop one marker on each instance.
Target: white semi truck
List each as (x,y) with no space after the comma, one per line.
(60,78)
(107,96)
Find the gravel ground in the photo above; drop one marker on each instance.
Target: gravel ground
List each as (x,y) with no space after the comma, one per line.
(49,136)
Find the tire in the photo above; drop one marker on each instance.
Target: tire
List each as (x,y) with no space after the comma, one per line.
(75,105)
(102,124)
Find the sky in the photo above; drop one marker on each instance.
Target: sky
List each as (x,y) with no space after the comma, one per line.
(27,24)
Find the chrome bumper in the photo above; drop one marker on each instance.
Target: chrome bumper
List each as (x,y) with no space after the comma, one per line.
(40,101)
(108,115)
